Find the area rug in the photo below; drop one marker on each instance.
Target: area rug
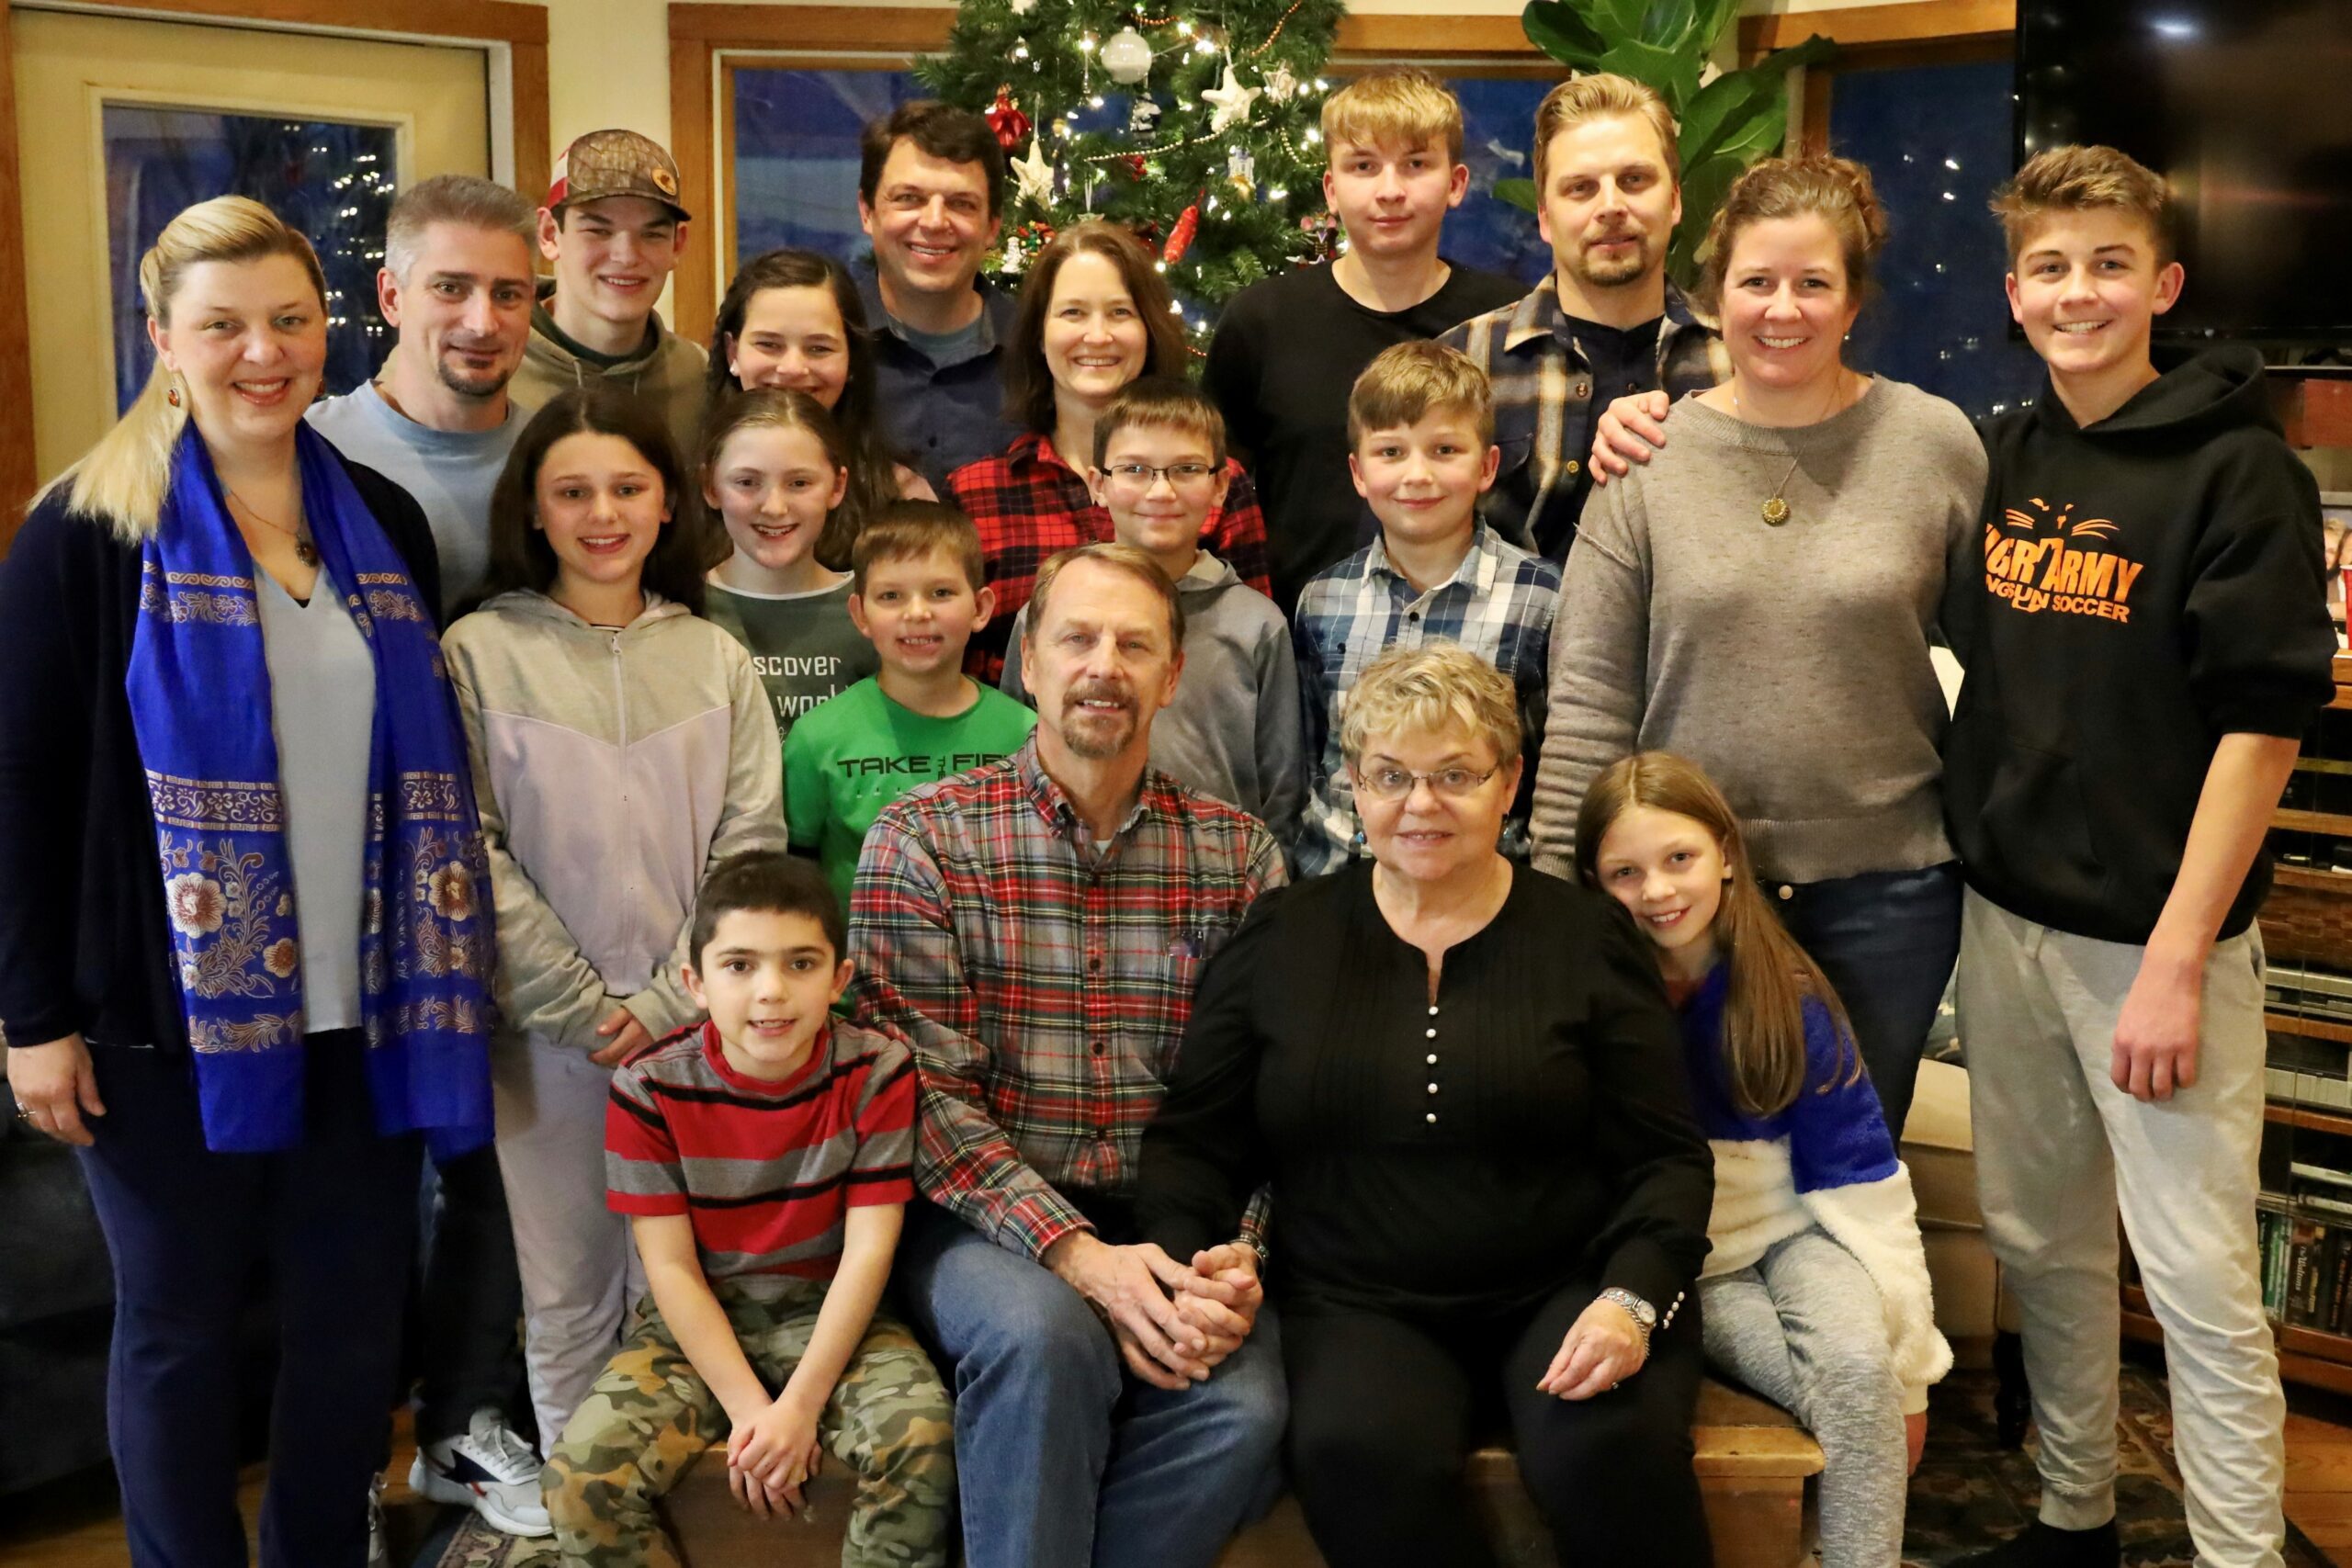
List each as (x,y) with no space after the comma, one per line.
(1969,1492)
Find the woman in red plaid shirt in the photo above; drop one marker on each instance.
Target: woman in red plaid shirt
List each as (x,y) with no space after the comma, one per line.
(1094,315)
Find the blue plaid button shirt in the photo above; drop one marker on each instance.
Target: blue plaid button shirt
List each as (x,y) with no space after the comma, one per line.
(1497,604)
(1546,404)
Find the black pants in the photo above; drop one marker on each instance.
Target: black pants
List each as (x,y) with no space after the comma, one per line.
(471,1353)
(1383,1412)
(191,1233)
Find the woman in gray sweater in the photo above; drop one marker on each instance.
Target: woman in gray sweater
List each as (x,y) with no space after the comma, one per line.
(1759,598)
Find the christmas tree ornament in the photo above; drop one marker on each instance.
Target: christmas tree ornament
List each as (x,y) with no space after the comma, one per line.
(1135,164)
(1281,83)
(1231,100)
(1034,175)
(1180,237)
(1141,114)
(1241,172)
(1126,56)
(1009,123)
(1022,7)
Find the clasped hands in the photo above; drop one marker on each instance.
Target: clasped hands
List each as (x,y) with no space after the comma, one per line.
(771,1453)
(1174,1322)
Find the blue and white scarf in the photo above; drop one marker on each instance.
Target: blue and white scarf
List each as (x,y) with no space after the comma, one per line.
(198,686)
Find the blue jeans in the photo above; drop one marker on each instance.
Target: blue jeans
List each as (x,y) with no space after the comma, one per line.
(1064,1459)
(333,1221)
(1888,941)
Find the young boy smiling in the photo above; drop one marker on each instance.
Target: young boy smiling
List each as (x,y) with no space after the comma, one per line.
(2146,638)
(1421,426)
(1287,348)
(764,1158)
(1233,730)
(917,593)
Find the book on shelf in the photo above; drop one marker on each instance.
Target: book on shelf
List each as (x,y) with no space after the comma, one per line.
(2306,1255)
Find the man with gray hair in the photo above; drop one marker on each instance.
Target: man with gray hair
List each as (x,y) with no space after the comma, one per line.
(436,421)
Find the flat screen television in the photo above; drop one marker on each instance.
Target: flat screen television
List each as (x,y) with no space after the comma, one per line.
(2245,106)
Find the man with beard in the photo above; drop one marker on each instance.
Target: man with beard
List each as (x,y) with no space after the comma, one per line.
(455,286)
(1035,927)
(1607,324)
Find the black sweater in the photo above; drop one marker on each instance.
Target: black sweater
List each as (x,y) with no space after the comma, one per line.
(1563,1147)
(84,942)
(2150,583)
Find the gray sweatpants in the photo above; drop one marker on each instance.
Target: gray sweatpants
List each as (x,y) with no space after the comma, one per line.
(2059,1147)
(1805,1327)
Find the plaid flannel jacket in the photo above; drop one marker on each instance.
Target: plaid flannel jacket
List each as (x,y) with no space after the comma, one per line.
(1044,986)
(1545,407)
(1498,604)
(1030,505)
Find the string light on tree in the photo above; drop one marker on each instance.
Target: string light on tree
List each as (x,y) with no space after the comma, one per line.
(1189,122)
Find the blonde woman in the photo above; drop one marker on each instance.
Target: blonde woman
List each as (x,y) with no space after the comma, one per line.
(1461,1076)
(245,933)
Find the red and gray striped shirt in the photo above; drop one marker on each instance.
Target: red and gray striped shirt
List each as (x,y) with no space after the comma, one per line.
(1044,984)
(767,1172)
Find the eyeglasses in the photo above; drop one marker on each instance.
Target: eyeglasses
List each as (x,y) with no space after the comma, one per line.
(1180,476)
(1396,784)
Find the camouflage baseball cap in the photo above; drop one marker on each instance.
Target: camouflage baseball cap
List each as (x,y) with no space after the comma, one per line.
(616,162)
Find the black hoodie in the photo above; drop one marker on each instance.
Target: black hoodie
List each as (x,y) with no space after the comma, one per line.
(2148,585)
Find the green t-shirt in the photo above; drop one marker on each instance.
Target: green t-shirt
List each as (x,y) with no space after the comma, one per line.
(804,646)
(851,757)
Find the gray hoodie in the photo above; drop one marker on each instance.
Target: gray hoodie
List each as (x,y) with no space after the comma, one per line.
(666,370)
(611,768)
(1234,731)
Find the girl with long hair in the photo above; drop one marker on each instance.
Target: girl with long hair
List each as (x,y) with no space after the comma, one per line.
(621,745)
(1814,1292)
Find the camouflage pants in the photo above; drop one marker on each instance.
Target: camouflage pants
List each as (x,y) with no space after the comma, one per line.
(650,1415)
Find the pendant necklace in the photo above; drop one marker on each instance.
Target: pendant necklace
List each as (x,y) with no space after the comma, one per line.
(1776,509)
(304,551)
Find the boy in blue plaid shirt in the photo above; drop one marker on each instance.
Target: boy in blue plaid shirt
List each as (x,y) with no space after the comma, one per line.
(1422,451)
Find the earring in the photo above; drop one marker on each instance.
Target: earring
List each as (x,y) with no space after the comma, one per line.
(172,394)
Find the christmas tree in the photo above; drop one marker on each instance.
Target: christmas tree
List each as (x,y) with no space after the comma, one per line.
(1194,123)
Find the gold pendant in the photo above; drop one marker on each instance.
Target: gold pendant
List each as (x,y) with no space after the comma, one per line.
(1776,511)
(308,553)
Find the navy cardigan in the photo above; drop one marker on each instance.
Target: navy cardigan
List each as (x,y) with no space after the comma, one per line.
(84,942)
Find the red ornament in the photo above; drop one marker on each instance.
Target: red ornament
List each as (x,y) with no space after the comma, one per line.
(1179,239)
(1135,166)
(1012,127)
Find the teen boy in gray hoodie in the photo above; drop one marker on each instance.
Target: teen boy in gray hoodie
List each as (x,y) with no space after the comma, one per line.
(1233,730)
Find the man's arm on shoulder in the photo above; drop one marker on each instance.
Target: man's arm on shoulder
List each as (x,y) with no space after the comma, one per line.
(910,981)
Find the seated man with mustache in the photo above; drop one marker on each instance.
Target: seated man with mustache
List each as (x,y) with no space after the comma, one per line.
(1034,928)
(1606,323)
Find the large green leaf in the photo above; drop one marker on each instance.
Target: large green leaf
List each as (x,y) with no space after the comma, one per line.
(1561,32)
(1518,193)
(1676,77)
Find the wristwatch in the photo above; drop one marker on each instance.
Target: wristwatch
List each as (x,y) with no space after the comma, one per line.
(1643,1314)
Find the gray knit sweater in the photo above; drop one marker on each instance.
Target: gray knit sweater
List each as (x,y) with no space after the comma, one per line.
(1791,663)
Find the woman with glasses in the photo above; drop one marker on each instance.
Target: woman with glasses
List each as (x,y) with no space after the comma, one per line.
(1094,315)
(1459,1075)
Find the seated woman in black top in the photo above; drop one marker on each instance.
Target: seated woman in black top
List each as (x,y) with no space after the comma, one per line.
(1490,1198)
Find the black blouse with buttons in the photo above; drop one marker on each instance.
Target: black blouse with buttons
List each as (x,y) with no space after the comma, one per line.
(1531,1129)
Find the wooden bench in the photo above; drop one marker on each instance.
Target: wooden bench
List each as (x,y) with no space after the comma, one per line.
(1752,1463)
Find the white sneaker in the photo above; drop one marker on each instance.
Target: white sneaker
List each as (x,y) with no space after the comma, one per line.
(488,1469)
(380,1555)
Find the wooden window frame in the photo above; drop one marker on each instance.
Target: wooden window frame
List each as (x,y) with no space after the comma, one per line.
(517,31)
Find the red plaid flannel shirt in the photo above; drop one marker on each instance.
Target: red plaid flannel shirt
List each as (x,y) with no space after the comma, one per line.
(1030,505)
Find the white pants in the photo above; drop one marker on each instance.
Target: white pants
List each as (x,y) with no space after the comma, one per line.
(579,1271)
(2058,1147)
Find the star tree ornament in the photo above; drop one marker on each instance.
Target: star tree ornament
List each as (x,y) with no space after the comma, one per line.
(1034,175)
(1231,100)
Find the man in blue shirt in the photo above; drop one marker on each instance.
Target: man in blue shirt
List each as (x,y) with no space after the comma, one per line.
(928,196)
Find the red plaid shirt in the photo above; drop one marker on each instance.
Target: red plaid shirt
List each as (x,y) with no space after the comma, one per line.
(1044,986)
(1030,505)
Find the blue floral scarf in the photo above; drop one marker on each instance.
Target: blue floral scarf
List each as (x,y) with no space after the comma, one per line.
(200,702)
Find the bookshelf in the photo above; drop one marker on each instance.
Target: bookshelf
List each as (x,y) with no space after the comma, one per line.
(2307,1139)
